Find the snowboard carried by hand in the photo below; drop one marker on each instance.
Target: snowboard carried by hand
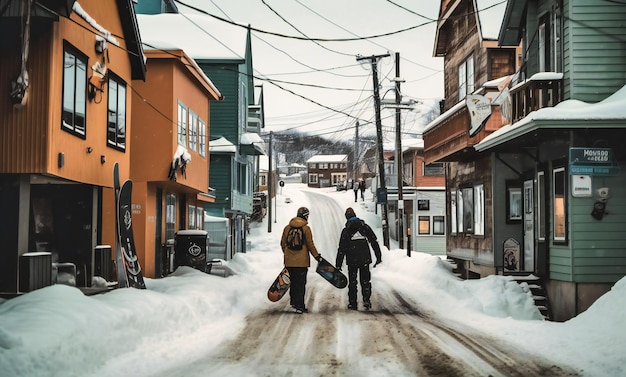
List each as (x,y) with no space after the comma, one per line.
(331,274)
(280,286)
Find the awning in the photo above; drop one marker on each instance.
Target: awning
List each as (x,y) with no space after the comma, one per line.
(222,145)
(251,144)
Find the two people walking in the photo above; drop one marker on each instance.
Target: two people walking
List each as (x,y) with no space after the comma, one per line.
(354,245)
(359,186)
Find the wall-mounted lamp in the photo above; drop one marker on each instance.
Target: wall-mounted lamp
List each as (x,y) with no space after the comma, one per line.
(97,80)
(103,159)
(61,160)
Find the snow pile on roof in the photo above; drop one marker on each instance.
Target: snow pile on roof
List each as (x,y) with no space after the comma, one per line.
(328,158)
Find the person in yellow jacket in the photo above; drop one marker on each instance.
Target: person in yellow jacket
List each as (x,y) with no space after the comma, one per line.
(296,257)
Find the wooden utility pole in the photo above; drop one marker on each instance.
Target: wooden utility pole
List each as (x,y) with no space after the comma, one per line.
(399,155)
(270,187)
(379,136)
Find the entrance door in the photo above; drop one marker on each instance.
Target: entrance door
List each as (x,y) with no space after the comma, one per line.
(529,227)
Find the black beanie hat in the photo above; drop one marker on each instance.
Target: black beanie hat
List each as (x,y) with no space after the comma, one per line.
(350,213)
(303,212)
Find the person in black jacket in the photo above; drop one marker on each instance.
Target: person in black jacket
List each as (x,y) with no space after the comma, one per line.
(354,244)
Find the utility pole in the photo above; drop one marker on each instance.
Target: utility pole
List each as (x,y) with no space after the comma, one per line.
(270,187)
(399,155)
(379,135)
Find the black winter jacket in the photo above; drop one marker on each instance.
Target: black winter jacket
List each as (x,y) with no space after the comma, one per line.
(354,244)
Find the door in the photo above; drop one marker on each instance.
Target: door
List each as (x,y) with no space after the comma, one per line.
(529,227)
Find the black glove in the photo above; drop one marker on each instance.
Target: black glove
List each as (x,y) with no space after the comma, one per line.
(338,267)
(318,257)
(378,261)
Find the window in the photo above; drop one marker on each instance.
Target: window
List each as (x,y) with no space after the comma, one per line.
(182,125)
(116,118)
(468,210)
(170,216)
(423,224)
(438,225)
(193,131)
(434,168)
(74,91)
(466,77)
(453,212)
(558,203)
(479,210)
(191,217)
(201,137)
(312,165)
(312,178)
(262,180)
(541,197)
(323,165)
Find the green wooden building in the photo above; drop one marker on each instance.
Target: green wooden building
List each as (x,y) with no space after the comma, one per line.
(562,157)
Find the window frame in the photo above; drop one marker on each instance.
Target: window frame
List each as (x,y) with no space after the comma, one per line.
(202,137)
(441,220)
(79,86)
(466,77)
(113,138)
(182,122)
(421,220)
(561,239)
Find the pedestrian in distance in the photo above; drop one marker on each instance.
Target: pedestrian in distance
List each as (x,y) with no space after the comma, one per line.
(297,243)
(355,187)
(362,188)
(354,244)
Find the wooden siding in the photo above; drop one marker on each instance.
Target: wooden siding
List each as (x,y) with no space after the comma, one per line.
(599,246)
(168,81)
(24,133)
(31,137)
(596,35)
(224,115)
(468,246)
(221,180)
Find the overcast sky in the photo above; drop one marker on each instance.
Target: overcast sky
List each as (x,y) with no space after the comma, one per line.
(343,86)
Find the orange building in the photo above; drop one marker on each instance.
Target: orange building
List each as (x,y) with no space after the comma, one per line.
(170,159)
(65,111)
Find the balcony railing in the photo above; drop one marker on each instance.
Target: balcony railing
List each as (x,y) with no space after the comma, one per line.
(544,89)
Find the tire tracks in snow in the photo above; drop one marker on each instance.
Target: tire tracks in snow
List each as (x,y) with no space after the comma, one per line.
(395,338)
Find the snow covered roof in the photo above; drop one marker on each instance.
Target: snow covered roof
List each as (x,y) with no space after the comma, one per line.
(222,145)
(328,158)
(567,114)
(200,36)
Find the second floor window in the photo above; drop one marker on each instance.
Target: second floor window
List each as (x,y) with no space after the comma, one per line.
(193,131)
(466,77)
(201,137)
(182,125)
(74,92)
(116,122)
(434,168)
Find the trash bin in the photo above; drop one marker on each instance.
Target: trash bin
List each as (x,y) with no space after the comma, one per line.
(35,270)
(190,249)
(103,262)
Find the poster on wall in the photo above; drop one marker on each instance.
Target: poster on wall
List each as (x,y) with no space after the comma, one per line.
(511,255)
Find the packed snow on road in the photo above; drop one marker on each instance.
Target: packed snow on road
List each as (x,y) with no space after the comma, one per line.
(424,320)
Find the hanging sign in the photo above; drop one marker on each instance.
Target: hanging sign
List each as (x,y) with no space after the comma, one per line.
(479,109)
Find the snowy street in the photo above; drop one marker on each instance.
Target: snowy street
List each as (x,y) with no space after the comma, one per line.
(424,321)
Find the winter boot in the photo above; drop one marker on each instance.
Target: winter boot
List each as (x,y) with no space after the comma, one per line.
(352,306)
(367,304)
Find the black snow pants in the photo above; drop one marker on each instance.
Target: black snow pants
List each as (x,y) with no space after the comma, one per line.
(298,286)
(365,278)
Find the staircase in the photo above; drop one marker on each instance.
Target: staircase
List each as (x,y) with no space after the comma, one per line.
(539,293)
